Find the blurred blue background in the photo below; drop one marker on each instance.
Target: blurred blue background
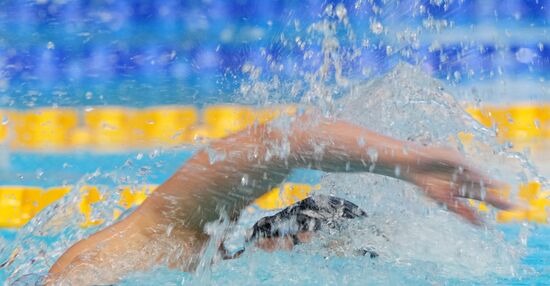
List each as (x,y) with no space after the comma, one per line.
(139,53)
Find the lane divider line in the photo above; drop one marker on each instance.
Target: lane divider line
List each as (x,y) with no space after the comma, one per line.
(18,204)
(116,128)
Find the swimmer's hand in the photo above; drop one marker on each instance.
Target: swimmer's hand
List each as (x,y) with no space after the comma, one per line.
(445,176)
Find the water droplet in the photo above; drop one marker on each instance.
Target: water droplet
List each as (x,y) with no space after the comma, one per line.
(144,171)
(328,10)
(389,50)
(51,45)
(244,180)
(537,123)
(373,154)
(107,126)
(525,55)
(422,9)
(341,12)
(397,171)
(139,156)
(361,141)
(5,120)
(39,173)
(457,75)
(128,163)
(376,27)
(215,156)
(89,95)
(153,154)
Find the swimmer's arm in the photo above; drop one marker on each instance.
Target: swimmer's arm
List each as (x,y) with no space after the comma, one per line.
(250,163)
(234,171)
(246,165)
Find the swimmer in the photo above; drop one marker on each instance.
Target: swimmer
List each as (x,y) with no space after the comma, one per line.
(298,222)
(168,227)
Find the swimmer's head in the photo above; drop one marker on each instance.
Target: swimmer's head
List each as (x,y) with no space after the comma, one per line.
(298,222)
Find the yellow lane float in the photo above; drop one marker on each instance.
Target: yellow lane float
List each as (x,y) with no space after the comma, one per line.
(117,128)
(18,204)
(123,128)
(110,127)
(45,128)
(165,125)
(4,121)
(518,123)
(537,200)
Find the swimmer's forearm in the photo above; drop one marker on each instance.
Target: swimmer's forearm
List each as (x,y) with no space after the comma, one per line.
(234,171)
(339,146)
(133,244)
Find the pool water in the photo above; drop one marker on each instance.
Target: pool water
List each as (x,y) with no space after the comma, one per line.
(346,59)
(425,243)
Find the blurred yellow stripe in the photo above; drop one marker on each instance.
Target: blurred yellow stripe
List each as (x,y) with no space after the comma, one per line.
(4,121)
(518,122)
(121,127)
(42,128)
(18,204)
(114,127)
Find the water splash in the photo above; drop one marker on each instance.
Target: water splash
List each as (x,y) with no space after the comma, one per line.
(425,243)
(416,241)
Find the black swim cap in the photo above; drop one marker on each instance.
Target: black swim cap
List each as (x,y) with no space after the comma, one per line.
(306,215)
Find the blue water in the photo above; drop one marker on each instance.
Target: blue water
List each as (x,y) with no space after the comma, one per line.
(538,255)
(69,168)
(56,169)
(137,53)
(142,53)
